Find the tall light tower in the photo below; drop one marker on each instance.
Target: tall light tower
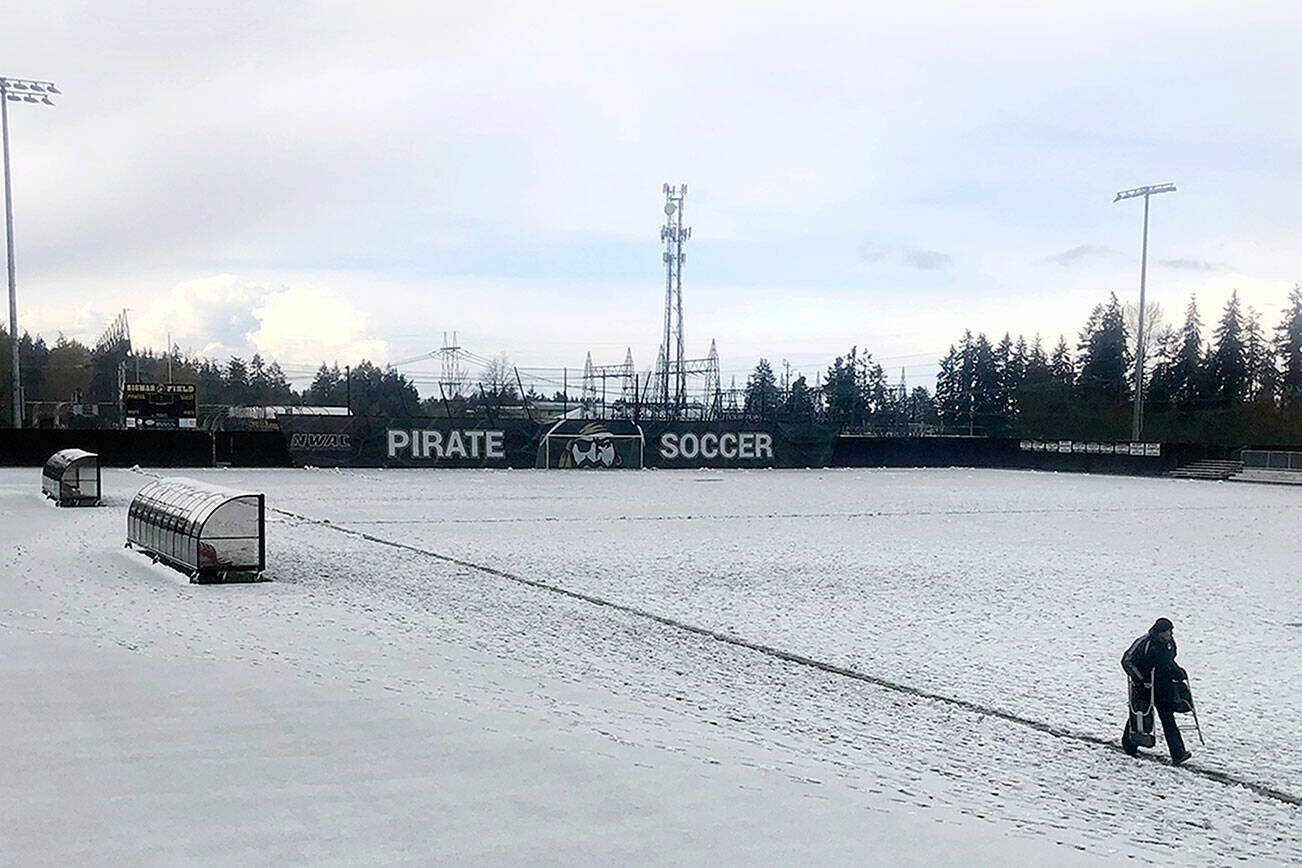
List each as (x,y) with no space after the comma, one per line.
(16,90)
(1137,422)
(673,235)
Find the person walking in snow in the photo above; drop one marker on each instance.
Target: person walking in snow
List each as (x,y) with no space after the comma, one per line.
(1150,660)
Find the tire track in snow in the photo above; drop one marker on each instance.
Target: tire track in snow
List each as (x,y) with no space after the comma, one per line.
(792,657)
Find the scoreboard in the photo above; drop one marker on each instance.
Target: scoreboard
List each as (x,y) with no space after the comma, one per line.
(160,405)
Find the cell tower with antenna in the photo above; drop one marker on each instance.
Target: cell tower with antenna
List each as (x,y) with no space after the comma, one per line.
(673,234)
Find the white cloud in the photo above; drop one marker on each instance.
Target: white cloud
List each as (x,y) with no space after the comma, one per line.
(227,315)
(312,324)
(210,316)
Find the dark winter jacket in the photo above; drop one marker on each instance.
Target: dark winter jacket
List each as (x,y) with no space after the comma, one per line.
(1150,656)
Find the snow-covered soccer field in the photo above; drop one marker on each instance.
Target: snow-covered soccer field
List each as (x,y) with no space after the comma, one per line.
(925,668)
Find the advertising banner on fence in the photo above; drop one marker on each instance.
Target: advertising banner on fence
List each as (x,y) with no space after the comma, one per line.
(590,444)
(357,441)
(737,444)
(1137,450)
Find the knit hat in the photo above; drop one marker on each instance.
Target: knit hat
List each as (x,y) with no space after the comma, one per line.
(1161,625)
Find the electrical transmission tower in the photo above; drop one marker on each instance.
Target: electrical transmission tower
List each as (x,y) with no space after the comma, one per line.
(453,376)
(623,374)
(673,235)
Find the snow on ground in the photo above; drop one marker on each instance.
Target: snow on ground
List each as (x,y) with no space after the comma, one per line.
(376,702)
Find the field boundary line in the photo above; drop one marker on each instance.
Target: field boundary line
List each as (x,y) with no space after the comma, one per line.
(775,516)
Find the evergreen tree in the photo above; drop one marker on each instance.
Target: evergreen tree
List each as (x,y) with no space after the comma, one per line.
(948,400)
(1186,368)
(1260,355)
(922,408)
(382,393)
(1004,377)
(237,381)
(841,390)
(1018,362)
(278,386)
(1228,368)
(398,397)
(873,395)
(258,391)
(1061,369)
(988,412)
(1288,345)
(762,392)
(211,385)
(970,381)
(1037,363)
(33,358)
(67,376)
(1104,357)
(327,389)
(966,371)
(1163,348)
(1012,375)
(1036,394)
(1087,336)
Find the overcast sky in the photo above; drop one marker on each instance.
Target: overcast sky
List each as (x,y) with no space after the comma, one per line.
(326,182)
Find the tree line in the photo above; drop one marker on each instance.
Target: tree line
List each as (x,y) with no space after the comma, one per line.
(1242,384)
(853,393)
(70,372)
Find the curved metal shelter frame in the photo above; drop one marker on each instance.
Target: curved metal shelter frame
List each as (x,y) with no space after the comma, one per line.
(71,478)
(208,532)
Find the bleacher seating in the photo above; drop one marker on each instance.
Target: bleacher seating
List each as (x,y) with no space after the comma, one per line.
(1208,469)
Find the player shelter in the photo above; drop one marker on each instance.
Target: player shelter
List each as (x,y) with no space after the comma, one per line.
(71,478)
(208,532)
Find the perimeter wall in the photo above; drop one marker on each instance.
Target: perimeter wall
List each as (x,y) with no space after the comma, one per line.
(359,442)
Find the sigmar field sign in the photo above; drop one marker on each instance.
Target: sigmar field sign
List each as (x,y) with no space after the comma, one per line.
(160,405)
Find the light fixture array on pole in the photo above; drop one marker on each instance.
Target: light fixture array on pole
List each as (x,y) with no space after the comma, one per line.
(16,90)
(1137,420)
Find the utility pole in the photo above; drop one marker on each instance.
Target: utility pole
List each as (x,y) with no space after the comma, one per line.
(16,90)
(673,235)
(1137,420)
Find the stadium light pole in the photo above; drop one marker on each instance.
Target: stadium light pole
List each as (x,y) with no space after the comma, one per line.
(1137,421)
(16,90)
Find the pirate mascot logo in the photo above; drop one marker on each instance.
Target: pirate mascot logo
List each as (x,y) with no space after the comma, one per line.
(592,447)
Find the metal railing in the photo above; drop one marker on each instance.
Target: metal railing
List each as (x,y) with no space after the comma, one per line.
(1261,459)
